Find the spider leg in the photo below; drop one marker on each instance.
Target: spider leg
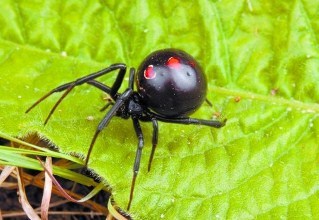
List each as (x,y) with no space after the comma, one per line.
(138,155)
(154,142)
(101,86)
(131,78)
(120,99)
(107,118)
(107,105)
(106,89)
(86,79)
(187,121)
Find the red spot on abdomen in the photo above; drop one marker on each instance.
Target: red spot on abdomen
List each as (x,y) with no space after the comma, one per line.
(149,72)
(173,62)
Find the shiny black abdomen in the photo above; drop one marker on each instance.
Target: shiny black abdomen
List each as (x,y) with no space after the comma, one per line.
(171,83)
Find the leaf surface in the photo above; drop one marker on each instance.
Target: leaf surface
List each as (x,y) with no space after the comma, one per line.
(261,59)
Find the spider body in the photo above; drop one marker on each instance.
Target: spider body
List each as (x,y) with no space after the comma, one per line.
(171,83)
(170,86)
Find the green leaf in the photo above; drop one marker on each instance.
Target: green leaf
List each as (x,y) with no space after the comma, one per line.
(262,64)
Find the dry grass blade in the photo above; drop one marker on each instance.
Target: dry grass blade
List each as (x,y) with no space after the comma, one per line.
(29,211)
(29,179)
(47,190)
(46,180)
(57,184)
(113,213)
(68,194)
(7,170)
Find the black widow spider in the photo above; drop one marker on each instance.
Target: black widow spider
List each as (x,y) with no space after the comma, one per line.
(170,86)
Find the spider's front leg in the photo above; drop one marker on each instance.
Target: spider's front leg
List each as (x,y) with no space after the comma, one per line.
(138,155)
(107,118)
(90,79)
(120,100)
